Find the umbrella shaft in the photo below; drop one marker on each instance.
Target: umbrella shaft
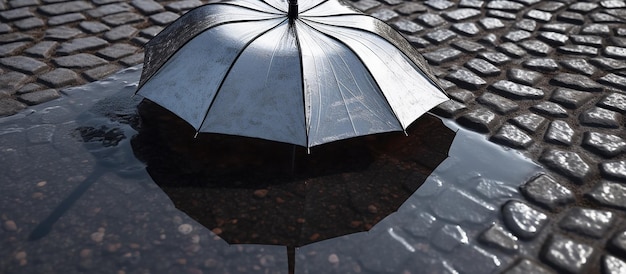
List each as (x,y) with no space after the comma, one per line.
(292,13)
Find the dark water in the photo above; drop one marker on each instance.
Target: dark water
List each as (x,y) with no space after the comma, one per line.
(90,187)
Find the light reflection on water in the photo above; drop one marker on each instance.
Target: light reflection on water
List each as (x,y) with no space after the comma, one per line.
(123,221)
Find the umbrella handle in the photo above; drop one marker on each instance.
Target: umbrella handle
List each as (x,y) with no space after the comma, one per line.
(292,13)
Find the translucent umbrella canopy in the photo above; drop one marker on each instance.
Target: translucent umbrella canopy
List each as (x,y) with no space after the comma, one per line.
(325,73)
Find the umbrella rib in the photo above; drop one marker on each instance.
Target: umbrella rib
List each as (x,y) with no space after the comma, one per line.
(304,101)
(366,68)
(219,88)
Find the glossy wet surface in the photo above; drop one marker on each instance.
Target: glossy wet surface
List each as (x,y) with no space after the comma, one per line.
(80,154)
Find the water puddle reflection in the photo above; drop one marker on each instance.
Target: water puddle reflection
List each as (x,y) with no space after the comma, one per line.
(91,187)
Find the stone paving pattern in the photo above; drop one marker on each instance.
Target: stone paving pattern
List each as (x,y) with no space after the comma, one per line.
(547,78)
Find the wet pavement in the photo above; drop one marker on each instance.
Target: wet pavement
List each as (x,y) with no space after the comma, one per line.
(545,78)
(119,213)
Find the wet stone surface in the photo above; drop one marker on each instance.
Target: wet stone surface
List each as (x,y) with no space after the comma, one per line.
(616,170)
(600,117)
(480,119)
(524,221)
(574,52)
(588,222)
(567,255)
(607,145)
(559,132)
(512,136)
(546,191)
(567,163)
(609,194)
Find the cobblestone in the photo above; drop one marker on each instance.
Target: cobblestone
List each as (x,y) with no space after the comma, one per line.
(479,119)
(512,50)
(567,255)
(449,108)
(100,72)
(147,6)
(579,65)
(498,103)
(24,64)
(529,121)
(11,48)
(466,79)
(607,145)
(523,220)
(600,117)
(587,40)
(559,132)
(59,78)
(511,136)
(550,109)
(615,80)
(577,82)
(526,24)
(579,50)
(541,64)
(567,163)
(11,81)
(615,52)
(516,90)
(570,98)
(615,170)
(588,222)
(65,7)
(613,265)
(38,97)
(81,60)
(614,101)
(524,77)
(65,19)
(42,49)
(545,191)
(120,33)
(609,194)
(536,47)
(61,33)
(81,44)
(10,106)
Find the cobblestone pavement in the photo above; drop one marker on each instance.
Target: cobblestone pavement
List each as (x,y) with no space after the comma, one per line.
(545,77)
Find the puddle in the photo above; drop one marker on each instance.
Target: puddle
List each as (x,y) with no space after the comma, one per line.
(78,199)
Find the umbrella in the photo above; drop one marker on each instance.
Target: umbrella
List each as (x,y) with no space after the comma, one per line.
(243,190)
(302,73)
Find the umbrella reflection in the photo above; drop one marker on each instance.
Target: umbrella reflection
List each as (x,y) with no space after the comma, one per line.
(253,191)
